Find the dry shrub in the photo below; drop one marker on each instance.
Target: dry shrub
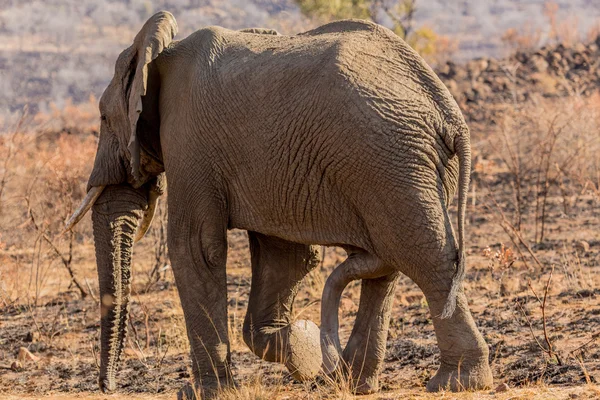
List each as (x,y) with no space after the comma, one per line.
(548,150)
(577,276)
(524,39)
(71,118)
(565,31)
(445,49)
(254,390)
(45,163)
(44,176)
(538,167)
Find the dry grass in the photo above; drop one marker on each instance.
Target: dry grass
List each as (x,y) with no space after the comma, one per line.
(258,392)
(536,197)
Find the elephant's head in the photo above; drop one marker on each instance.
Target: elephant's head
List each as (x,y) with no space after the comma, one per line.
(126,180)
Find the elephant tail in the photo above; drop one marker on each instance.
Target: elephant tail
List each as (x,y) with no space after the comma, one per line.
(462,145)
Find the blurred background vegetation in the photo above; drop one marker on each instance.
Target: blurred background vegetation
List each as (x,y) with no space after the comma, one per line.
(398,15)
(53,52)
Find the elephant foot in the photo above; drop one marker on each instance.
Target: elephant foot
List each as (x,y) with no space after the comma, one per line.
(208,390)
(477,376)
(189,392)
(366,385)
(354,382)
(364,374)
(304,355)
(350,375)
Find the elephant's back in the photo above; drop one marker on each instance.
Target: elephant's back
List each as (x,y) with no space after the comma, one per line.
(358,56)
(357,79)
(355,75)
(358,61)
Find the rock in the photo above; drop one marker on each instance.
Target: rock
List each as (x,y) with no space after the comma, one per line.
(580,61)
(446,70)
(16,366)
(537,63)
(25,355)
(453,88)
(476,67)
(32,336)
(580,48)
(493,65)
(503,387)
(482,84)
(582,246)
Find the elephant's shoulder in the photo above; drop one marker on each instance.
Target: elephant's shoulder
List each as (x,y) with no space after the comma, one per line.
(347,25)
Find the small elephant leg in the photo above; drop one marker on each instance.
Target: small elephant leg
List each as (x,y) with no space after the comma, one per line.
(278,267)
(198,252)
(365,350)
(358,265)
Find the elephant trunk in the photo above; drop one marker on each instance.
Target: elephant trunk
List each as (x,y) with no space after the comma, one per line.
(330,304)
(115,217)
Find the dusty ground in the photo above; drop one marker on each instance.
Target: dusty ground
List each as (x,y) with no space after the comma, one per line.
(63,330)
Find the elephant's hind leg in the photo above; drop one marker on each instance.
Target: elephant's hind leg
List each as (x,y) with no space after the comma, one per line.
(365,350)
(278,267)
(464,361)
(464,353)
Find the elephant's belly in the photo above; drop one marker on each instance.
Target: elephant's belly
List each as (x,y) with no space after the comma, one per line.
(324,222)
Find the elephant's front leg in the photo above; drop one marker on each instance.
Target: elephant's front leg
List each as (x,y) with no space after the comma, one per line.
(198,252)
(278,267)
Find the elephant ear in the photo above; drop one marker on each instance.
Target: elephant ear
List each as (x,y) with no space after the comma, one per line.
(156,34)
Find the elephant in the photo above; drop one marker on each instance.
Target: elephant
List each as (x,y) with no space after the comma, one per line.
(339,136)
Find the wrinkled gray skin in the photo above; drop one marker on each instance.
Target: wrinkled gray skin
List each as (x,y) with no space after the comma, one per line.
(338,136)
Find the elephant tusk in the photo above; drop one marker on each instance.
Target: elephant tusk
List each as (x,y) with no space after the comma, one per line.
(148,217)
(84,207)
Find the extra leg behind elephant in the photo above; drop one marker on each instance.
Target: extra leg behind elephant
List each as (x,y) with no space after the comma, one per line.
(365,350)
(363,355)
(278,267)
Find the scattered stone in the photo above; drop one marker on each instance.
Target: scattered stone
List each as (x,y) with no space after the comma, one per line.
(480,84)
(582,246)
(32,336)
(503,387)
(16,366)
(25,355)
